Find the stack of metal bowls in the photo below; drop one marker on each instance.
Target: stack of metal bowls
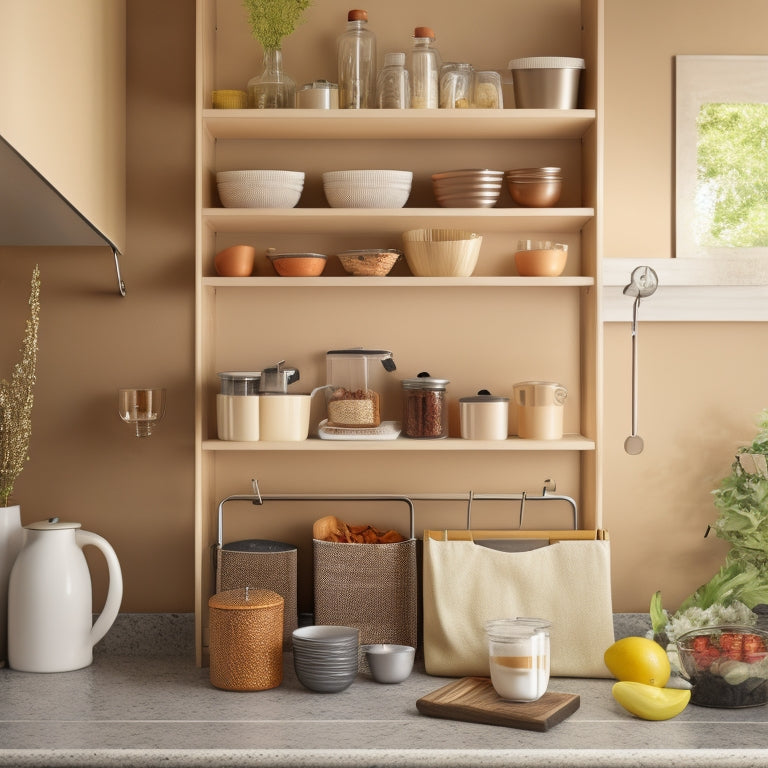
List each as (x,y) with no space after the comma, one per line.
(535,187)
(469,188)
(325,657)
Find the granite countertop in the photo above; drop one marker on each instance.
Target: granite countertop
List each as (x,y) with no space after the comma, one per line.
(144,702)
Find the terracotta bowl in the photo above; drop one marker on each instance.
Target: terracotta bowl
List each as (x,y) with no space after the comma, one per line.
(541,262)
(235,261)
(298,264)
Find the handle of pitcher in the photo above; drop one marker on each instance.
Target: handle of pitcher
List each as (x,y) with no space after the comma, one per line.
(115,593)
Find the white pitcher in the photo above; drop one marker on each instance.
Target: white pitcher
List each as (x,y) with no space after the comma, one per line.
(50,612)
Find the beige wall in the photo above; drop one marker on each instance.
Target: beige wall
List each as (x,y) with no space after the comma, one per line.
(701,385)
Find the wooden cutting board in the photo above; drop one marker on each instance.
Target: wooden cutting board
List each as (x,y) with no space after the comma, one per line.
(474,700)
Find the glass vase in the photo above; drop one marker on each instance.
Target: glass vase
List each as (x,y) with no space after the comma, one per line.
(273,88)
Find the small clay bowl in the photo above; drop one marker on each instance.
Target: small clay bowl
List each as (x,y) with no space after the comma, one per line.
(235,261)
(541,262)
(298,264)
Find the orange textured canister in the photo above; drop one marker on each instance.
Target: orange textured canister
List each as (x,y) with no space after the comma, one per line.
(246,639)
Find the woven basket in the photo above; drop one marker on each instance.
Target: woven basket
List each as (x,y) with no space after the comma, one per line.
(261,564)
(370,263)
(372,587)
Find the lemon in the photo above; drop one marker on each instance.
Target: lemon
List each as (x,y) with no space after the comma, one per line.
(650,702)
(638,660)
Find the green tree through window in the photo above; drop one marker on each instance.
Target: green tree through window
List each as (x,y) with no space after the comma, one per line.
(731,205)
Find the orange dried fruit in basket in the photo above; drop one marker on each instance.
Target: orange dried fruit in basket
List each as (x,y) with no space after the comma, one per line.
(330,528)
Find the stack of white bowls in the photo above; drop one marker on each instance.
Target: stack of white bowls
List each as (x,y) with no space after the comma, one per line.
(469,188)
(325,657)
(259,188)
(367,188)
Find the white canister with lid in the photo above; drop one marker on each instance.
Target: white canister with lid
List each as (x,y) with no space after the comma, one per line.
(484,416)
(539,408)
(237,406)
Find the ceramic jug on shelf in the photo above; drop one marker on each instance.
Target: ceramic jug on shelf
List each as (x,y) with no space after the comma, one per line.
(50,613)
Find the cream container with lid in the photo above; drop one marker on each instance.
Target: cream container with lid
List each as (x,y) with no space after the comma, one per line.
(237,406)
(484,416)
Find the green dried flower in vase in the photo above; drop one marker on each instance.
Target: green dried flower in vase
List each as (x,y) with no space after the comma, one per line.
(16,400)
(271,21)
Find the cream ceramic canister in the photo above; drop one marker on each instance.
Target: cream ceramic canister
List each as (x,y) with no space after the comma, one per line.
(50,612)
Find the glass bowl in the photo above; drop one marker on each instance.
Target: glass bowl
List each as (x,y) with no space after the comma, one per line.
(727,665)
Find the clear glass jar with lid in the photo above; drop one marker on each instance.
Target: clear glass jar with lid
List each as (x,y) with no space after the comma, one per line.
(353,397)
(356,53)
(393,90)
(424,68)
(456,79)
(425,407)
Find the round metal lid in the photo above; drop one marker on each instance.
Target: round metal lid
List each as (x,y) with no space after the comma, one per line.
(425,381)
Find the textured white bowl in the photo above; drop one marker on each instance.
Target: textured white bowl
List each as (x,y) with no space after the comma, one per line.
(259,189)
(441,252)
(367,188)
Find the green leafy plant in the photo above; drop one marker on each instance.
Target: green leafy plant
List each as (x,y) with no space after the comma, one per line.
(16,400)
(273,20)
(742,582)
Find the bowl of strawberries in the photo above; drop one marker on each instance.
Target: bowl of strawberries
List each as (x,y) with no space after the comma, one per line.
(726,665)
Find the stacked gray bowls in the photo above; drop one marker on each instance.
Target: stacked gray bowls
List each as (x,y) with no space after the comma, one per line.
(469,188)
(325,657)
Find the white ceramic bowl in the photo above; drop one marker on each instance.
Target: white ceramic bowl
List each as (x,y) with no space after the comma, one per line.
(441,252)
(367,188)
(389,663)
(259,189)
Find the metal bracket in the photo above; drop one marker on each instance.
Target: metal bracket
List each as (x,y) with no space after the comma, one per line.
(120,283)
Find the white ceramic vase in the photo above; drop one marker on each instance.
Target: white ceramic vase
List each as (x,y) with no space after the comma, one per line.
(11,541)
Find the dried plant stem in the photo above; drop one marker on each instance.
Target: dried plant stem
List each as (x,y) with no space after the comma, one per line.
(16,400)
(272,20)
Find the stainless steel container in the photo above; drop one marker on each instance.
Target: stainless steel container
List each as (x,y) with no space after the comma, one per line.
(546,82)
(319,94)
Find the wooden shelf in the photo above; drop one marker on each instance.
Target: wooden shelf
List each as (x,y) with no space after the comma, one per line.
(545,124)
(394,220)
(568,443)
(350,281)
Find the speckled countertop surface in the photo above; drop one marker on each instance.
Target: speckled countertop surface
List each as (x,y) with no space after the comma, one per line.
(143,702)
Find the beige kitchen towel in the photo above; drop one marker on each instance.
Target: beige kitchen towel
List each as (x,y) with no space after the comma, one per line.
(467,584)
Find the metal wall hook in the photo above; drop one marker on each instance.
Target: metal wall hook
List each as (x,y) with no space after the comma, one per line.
(642,283)
(120,283)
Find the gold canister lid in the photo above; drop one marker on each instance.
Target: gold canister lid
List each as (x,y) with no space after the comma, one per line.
(245,599)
